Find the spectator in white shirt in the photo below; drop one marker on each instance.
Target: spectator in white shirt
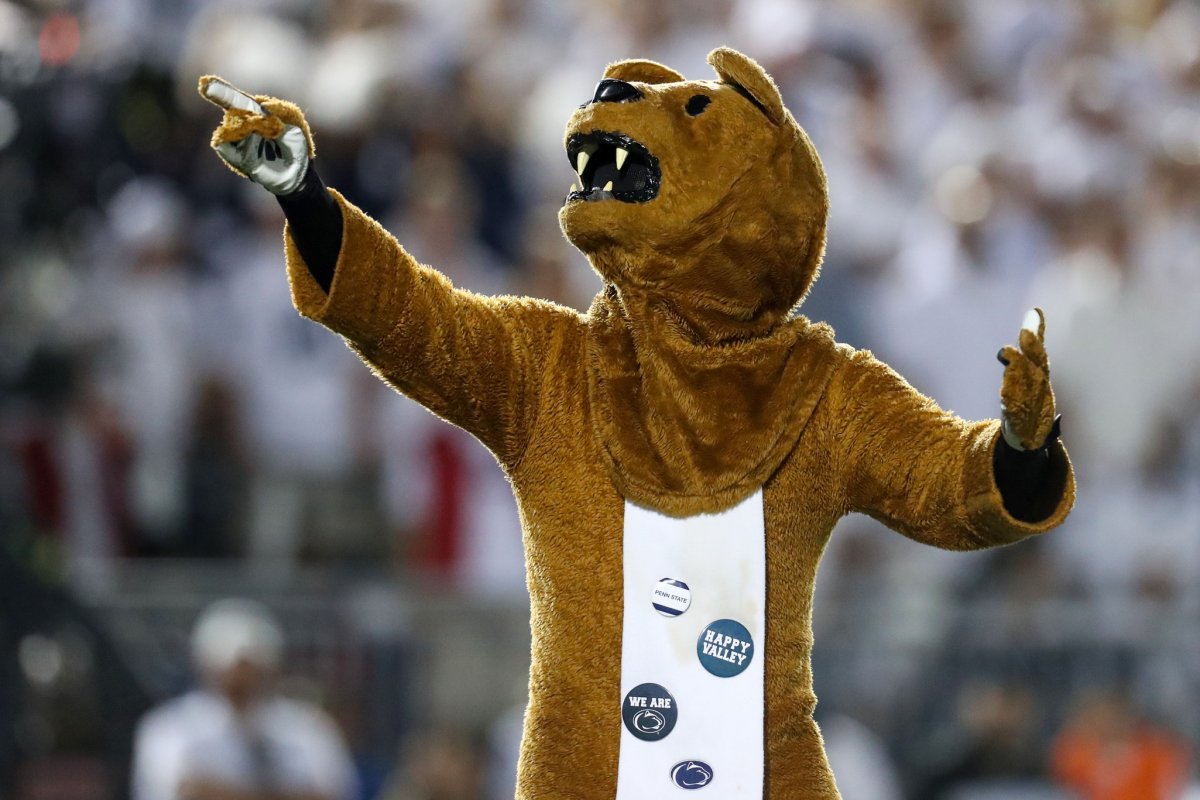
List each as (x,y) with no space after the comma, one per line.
(235,739)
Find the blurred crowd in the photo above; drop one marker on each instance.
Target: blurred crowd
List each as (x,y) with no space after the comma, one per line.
(159,397)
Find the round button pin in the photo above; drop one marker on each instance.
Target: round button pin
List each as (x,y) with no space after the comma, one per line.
(649,712)
(671,597)
(691,774)
(725,648)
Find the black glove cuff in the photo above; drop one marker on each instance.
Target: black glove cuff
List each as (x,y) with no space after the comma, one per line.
(315,222)
(1021,475)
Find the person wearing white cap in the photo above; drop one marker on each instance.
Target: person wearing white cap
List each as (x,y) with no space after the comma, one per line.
(234,738)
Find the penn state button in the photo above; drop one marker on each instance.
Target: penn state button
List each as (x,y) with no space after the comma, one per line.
(691,774)
(649,712)
(671,597)
(725,648)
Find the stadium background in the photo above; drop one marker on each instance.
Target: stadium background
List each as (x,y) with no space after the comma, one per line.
(171,434)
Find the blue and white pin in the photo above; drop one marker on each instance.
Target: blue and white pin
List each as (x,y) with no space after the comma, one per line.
(691,774)
(649,712)
(671,597)
(725,648)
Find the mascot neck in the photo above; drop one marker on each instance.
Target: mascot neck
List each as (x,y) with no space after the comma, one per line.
(696,402)
(720,296)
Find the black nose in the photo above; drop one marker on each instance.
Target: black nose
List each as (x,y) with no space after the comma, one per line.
(614,91)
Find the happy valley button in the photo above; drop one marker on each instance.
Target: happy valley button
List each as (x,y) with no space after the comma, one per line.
(725,648)
(671,597)
(691,774)
(649,712)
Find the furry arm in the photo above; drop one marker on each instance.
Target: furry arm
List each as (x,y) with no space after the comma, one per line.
(475,361)
(315,222)
(925,472)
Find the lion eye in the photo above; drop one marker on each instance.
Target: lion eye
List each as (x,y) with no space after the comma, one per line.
(697,103)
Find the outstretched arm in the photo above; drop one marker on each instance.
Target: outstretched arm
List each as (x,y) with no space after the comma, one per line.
(476,361)
(945,481)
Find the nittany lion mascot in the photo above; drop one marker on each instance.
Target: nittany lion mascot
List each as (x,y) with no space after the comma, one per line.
(681,452)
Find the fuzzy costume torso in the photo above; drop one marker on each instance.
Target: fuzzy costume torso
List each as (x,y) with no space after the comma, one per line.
(519,375)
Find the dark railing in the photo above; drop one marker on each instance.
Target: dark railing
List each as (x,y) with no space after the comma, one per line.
(389,656)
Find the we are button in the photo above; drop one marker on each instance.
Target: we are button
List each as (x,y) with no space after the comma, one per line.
(649,712)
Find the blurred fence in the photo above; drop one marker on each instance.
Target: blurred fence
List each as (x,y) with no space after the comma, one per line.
(382,656)
(391,659)
(1065,649)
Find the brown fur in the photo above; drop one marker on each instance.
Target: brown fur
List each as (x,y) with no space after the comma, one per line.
(686,387)
(1026,394)
(700,283)
(636,69)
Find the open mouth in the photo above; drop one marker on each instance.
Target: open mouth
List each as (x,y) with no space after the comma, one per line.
(611,166)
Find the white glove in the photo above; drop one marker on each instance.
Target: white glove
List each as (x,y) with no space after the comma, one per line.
(278,164)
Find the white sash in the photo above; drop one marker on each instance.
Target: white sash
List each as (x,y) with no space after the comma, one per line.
(719,725)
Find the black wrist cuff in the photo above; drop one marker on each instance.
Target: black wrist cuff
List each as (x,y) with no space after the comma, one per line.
(315,221)
(1021,475)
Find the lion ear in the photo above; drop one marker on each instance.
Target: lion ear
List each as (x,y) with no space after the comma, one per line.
(744,74)
(635,69)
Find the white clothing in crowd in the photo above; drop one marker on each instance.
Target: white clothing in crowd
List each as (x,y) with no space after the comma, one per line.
(283,744)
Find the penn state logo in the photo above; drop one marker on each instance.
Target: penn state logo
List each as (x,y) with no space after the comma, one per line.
(649,712)
(691,774)
(671,597)
(649,721)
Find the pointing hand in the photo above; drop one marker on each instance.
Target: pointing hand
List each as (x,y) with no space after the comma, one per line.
(260,138)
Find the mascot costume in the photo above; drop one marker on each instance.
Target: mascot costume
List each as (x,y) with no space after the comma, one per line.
(681,452)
